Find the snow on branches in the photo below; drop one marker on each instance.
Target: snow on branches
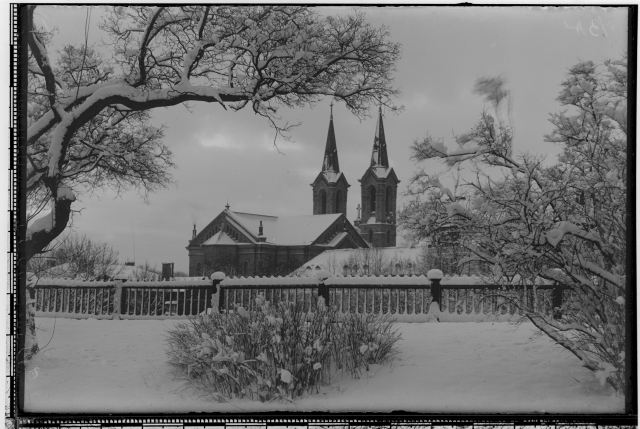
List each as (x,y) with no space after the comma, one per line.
(564,223)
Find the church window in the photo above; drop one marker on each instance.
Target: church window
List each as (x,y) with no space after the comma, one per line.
(246,268)
(198,269)
(323,202)
(387,203)
(338,201)
(370,236)
(372,198)
(388,237)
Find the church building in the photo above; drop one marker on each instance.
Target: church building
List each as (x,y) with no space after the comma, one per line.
(251,241)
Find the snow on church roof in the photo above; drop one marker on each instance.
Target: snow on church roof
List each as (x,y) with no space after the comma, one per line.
(286,230)
(220,238)
(331,257)
(332,176)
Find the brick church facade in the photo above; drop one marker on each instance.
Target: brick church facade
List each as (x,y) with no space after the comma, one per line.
(252,241)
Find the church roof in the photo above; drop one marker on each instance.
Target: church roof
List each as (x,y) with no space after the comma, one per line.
(330,161)
(286,230)
(379,154)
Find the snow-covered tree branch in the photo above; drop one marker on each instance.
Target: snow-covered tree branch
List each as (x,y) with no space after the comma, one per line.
(564,223)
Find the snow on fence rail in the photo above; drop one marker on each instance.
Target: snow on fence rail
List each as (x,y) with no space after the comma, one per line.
(408,298)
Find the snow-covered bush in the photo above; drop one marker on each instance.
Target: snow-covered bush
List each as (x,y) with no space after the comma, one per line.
(279,351)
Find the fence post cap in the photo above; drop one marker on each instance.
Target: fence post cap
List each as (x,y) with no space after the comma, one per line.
(322,275)
(218,275)
(434,274)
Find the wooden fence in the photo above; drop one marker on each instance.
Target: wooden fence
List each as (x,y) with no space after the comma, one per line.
(122,300)
(407,298)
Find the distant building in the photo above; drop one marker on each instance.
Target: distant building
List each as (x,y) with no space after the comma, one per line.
(250,242)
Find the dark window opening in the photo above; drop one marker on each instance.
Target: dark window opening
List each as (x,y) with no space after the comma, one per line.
(323,202)
(372,198)
(388,237)
(387,202)
(338,200)
(370,236)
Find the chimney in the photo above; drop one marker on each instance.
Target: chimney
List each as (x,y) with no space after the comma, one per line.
(167,270)
(260,233)
(194,232)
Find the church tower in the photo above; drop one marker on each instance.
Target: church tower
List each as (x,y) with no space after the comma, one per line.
(330,187)
(379,190)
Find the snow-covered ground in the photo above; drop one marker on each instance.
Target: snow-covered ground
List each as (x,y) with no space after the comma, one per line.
(105,366)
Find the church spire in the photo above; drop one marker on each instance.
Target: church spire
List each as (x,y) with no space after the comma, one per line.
(330,162)
(379,154)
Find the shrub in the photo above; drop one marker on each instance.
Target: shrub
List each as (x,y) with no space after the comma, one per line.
(279,351)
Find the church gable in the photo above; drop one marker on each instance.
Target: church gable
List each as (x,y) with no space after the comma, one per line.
(373,174)
(330,178)
(226,230)
(333,235)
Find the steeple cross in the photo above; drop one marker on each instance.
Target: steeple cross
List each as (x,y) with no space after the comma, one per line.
(331,106)
(358,208)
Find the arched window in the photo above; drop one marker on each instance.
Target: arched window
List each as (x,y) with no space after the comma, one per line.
(338,201)
(370,236)
(372,198)
(389,237)
(323,202)
(387,201)
(246,268)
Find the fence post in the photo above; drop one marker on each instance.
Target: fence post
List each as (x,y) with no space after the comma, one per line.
(117,300)
(217,295)
(436,292)
(556,301)
(323,291)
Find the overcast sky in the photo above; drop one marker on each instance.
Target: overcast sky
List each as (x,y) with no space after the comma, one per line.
(223,155)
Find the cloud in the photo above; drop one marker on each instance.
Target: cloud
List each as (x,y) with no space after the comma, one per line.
(418,100)
(220,141)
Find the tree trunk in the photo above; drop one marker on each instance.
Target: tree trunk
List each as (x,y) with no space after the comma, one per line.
(31,338)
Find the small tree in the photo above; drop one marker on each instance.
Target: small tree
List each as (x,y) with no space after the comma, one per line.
(77,257)
(565,223)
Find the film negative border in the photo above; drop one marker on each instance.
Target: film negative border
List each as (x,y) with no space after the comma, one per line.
(292,424)
(10,382)
(232,422)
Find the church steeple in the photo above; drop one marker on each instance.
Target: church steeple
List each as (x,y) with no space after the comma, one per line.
(379,155)
(379,191)
(330,187)
(330,162)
